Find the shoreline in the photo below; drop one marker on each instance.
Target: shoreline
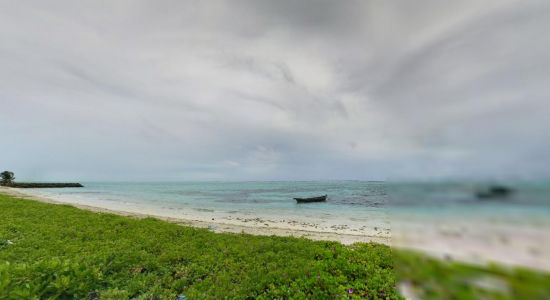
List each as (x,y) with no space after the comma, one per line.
(475,242)
(220,227)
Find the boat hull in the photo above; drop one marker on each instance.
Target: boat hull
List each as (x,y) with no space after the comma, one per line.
(312,199)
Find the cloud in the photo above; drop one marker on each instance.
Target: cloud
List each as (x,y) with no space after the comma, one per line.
(178,90)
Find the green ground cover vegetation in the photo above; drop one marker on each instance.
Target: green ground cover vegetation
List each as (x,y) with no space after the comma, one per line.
(60,252)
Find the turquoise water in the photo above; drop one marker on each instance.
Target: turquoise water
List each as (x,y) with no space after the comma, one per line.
(359,201)
(355,195)
(355,203)
(463,193)
(458,199)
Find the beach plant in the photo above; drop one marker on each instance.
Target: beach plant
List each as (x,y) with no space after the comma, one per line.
(7,177)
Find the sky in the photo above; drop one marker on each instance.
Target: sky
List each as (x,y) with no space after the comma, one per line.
(274,90)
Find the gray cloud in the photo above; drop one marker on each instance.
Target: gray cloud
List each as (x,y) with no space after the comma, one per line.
(178,90)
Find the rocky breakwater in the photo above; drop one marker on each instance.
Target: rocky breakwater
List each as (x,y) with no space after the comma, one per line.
(45,185)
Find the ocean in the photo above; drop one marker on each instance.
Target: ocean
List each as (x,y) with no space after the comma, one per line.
(527,202)
(353,207)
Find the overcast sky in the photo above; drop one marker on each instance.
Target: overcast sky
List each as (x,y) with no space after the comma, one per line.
(260,90)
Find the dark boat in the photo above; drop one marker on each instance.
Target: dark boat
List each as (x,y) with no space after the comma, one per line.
(493,192)
(312,199)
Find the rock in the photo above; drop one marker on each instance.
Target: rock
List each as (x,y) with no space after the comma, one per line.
(45,184)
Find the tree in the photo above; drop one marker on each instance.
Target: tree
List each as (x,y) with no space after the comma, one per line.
(7,177)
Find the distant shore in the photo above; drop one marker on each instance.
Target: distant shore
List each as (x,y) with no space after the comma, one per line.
(28,185)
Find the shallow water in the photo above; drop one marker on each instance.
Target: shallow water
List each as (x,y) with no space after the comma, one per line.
(351,205)
(529,201)
(355,204)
